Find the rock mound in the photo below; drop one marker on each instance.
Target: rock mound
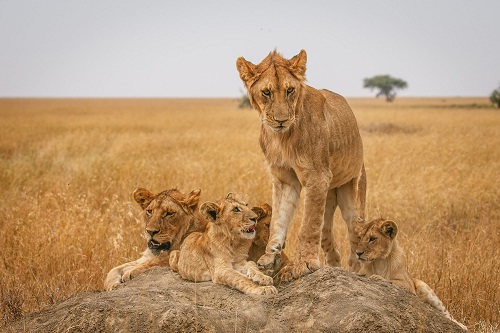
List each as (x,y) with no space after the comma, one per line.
(329,300)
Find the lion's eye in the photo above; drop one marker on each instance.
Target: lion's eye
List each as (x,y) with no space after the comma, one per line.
(266,92)
(149,211)
(372,239)
(289,91)
(167,214)
(237,210)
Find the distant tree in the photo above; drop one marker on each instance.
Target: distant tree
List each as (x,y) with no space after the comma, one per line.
(495,97)
(244,101)
(386,85)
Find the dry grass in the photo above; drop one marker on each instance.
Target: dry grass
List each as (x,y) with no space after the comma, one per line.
(68,168)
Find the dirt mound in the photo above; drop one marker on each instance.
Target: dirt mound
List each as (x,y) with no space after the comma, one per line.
(330,300)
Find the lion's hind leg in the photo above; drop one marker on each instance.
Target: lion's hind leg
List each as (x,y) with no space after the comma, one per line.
(332,255)
(426,294)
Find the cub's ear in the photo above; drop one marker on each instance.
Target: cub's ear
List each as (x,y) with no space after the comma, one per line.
(210,210)
(246,70)
(390,229)
(261,213)
(143,197)
(193,198)
(298,65)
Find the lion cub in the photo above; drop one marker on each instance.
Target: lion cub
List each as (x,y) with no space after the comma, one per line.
(169,217)
(220,252)
(381,257)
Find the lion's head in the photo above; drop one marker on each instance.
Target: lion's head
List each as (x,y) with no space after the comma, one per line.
(231,216)
(264,212)
(376,239)
(275,87)
(167,216)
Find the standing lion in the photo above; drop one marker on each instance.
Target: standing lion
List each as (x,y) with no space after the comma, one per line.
(311,141)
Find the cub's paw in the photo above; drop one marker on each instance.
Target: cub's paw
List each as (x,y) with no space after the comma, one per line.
(126,276)
(263,279)
(112,285)
(376,277)
(265,290)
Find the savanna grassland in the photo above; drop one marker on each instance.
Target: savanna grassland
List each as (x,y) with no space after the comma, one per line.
(68,169)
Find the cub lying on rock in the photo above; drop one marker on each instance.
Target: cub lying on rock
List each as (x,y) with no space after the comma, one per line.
(381,257)
(220,252)
(169,217)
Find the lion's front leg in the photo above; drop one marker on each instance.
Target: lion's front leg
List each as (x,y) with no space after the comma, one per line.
(286,193)
(228,276)
(309,236)
(250,269)
(161,260)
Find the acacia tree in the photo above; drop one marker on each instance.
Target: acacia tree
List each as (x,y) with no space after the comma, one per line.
(495,97)
(386,85)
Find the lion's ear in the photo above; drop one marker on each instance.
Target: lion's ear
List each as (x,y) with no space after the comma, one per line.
(390,229)
(261,213)
(210,210)
(246,70)
(193,198)
(298,65)
(143,197)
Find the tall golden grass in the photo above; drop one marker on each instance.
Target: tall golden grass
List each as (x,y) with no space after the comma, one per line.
(68,169)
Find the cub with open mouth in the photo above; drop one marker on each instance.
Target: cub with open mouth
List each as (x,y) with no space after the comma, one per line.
(220,253)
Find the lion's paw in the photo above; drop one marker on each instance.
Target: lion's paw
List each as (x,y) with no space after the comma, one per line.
(268,262)
(127,275)
(376,277)
(266,290)
(294,270)
(263,280)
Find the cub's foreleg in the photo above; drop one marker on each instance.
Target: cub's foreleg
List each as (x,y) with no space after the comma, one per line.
(251,270)
(226,275)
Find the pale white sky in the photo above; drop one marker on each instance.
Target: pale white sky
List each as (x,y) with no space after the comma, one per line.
(123,48)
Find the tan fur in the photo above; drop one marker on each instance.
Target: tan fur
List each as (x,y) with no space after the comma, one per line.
(382,257)
(220,252)
(258,248)
(311,141)
(169,217)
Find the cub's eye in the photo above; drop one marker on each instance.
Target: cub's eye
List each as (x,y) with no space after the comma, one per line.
(289,91)
(237,210)
(266,92)
(167,214)
(149,211)
(372,239)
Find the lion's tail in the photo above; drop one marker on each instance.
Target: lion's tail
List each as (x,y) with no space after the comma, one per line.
(426,294)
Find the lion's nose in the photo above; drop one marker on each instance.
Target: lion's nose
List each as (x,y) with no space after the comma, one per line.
(152,232)
(280,120)
(359,254)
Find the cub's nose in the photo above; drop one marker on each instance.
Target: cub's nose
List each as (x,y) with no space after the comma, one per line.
(253,219)
(359,254)
(152,232)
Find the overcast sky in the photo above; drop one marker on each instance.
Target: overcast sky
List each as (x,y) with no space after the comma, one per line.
(122,48)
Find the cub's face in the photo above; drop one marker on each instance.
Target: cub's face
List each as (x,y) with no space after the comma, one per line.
(264,213)
(375,240)
(166,217)
(232,215)
(274,87)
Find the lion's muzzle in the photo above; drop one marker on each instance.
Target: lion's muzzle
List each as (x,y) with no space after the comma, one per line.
(154,245)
